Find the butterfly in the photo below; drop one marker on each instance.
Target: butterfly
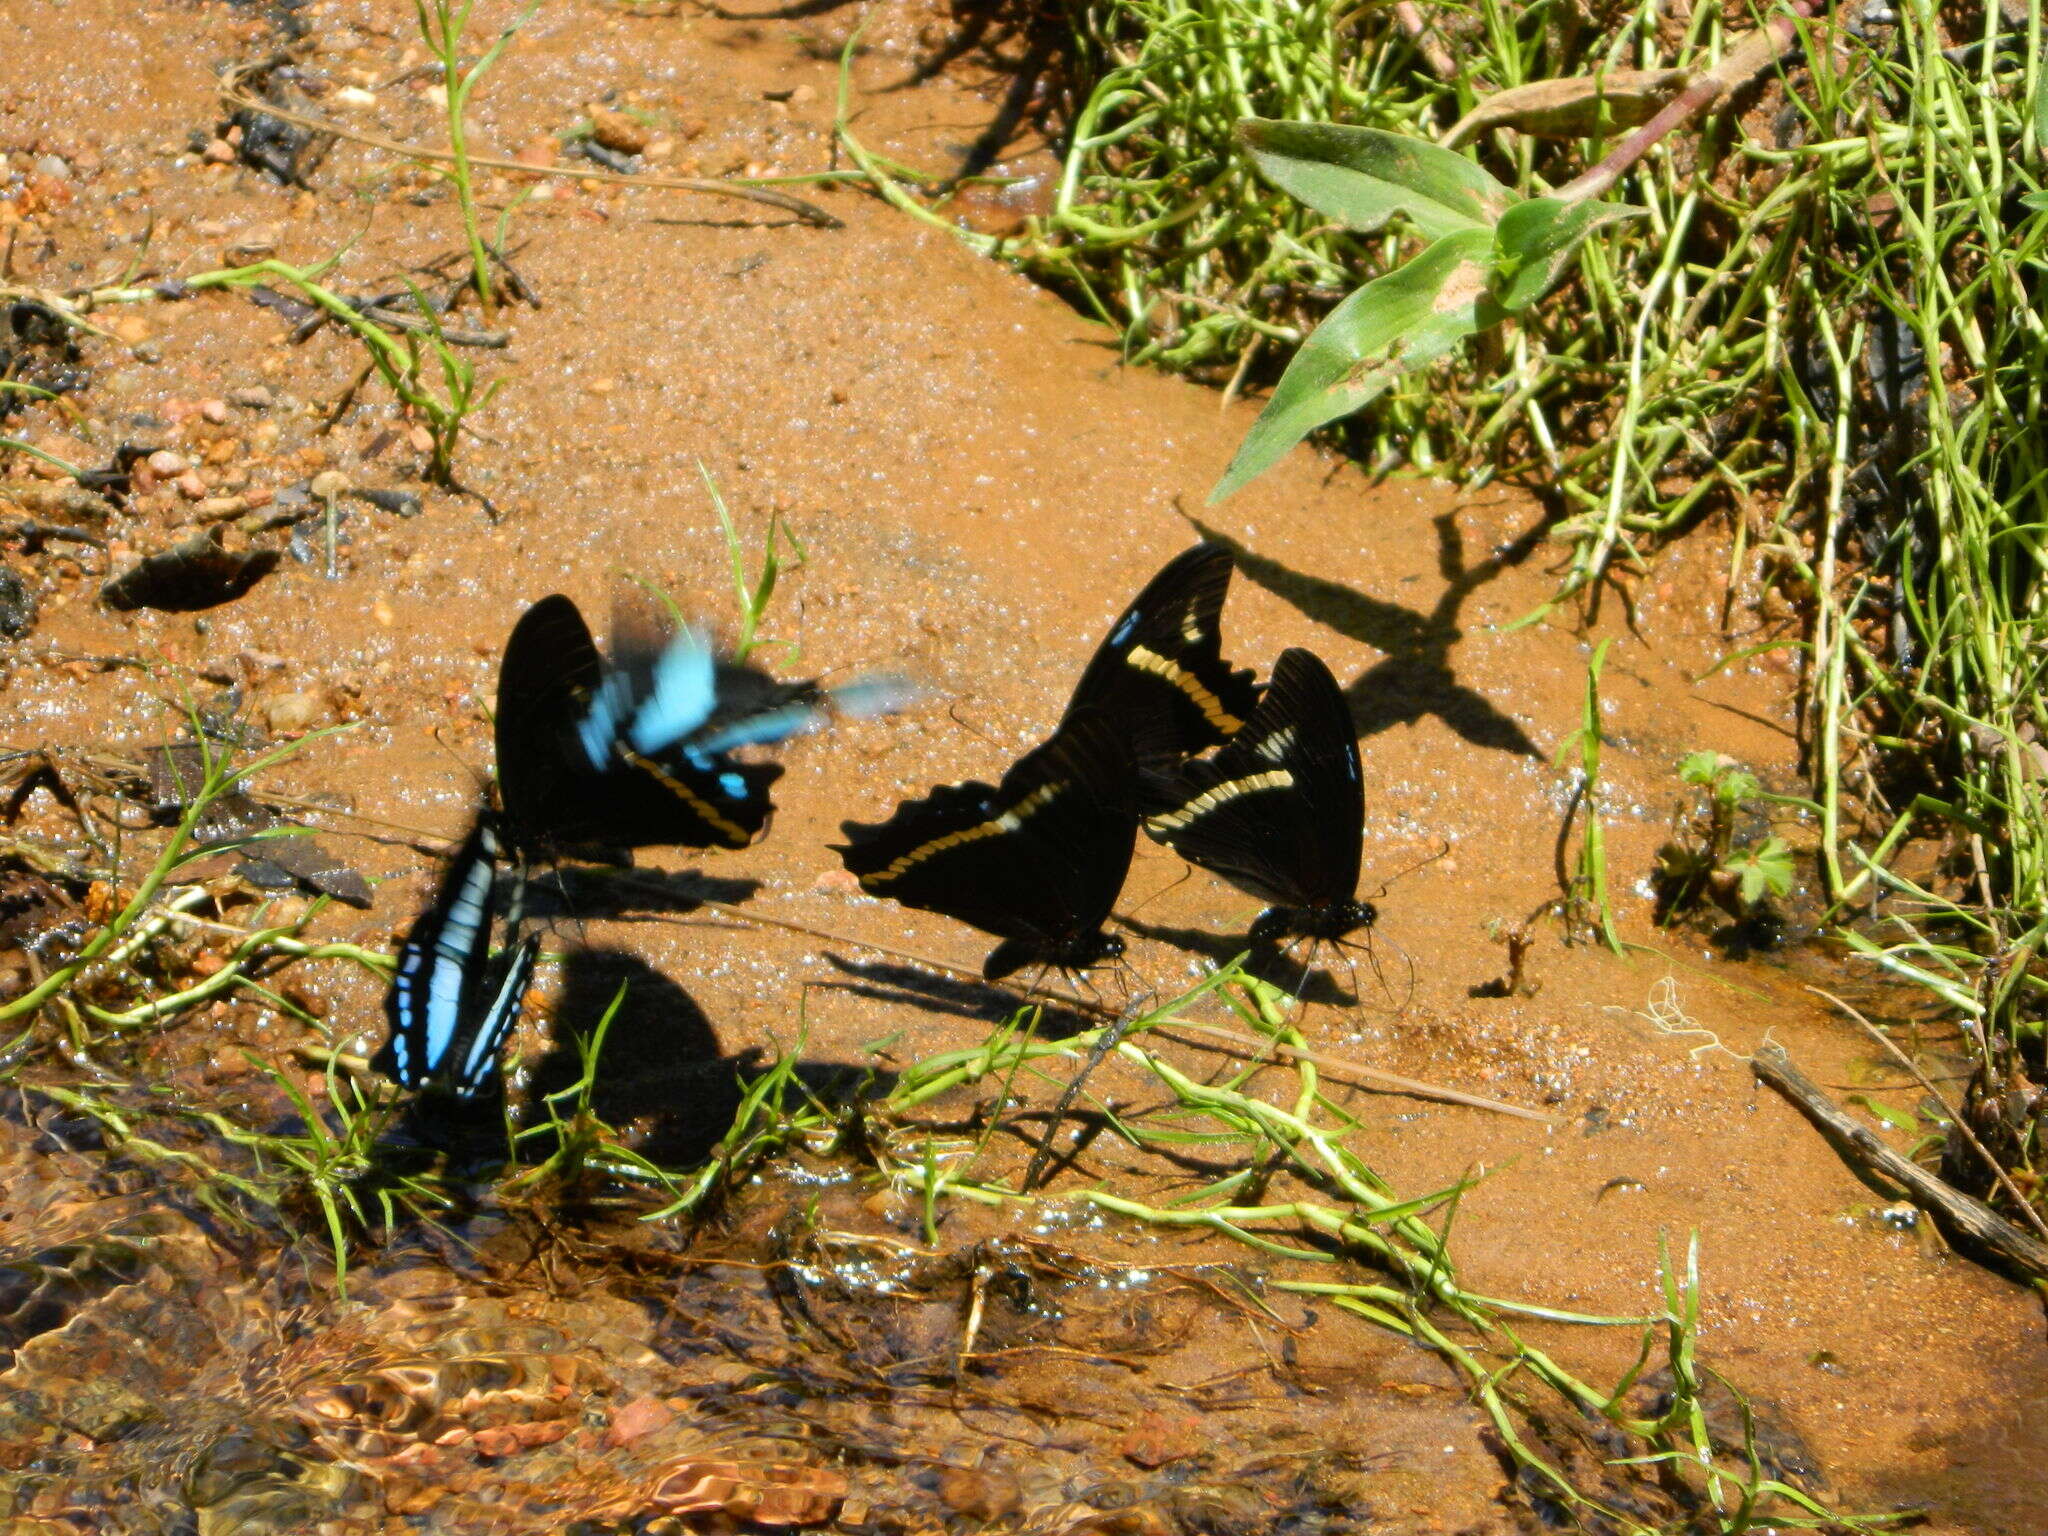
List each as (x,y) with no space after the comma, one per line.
(1037,860)
(1161,674)
(1279,809)
(637,751)
(450,1005)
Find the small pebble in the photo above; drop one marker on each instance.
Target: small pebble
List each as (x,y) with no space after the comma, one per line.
(253,246)
(166,465)
(354,96)
(254,398)
(215,411)
(54,167)
(293,713)
(191,487)
(219,152)
(616,131)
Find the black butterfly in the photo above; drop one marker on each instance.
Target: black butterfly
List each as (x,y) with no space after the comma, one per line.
(1279,810)
(450,1006)
(1161,674)
(638,752)
(1037,860)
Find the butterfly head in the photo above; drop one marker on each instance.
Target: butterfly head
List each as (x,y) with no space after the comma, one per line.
(1075,954)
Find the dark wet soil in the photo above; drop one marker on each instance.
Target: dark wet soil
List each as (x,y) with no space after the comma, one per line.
(978,487)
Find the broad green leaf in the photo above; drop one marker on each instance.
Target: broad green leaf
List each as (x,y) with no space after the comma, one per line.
(1764,870)
(1398,322)
(2038,201)
(1364,176)
(1699,767)
(1538,240)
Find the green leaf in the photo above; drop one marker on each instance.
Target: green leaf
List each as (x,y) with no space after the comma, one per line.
(1764,870)
(2038,201)
(1538,239)
(1699,767)
(1897,1119)
(1364,177)
(1396,323)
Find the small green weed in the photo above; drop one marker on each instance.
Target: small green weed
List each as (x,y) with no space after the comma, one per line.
(1586,901)
(400,360)
(753,597)
(1703,864)
(441,25)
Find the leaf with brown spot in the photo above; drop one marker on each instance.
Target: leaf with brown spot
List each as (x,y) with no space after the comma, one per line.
(1400,321)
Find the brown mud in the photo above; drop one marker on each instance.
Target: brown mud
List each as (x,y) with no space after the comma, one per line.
(979,487)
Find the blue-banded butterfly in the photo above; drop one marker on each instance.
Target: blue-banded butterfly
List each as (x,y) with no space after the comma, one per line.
(450,1004)
(1037,860)
(638,750)
(1279,809)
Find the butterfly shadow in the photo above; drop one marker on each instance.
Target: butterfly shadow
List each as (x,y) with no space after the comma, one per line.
(662,1079)
(594,893)
(931,992)
(1415,678)
(1267,962)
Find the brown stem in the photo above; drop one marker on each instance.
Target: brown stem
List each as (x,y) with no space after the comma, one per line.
(1756,52)
(1968,1222)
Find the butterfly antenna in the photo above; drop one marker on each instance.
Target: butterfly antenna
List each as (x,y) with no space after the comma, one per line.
(466,768)
(953,714)
(1186,871)
(1423,863)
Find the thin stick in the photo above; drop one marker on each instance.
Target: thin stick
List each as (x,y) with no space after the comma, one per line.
(1244,1044)
(1956,1116)
(810,213)
(1752,54)
(1967,1219)
(1247,1046)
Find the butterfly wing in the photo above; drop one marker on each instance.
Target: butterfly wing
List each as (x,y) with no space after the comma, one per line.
(1038,858)
(550,674)
(448,1014)
(1161,673)
(1279,810)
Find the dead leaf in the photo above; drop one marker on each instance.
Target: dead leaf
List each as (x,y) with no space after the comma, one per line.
(1579,107)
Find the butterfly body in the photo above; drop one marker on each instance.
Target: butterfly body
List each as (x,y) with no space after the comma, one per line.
(1037,860)
(1279,810)
(450,1005)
